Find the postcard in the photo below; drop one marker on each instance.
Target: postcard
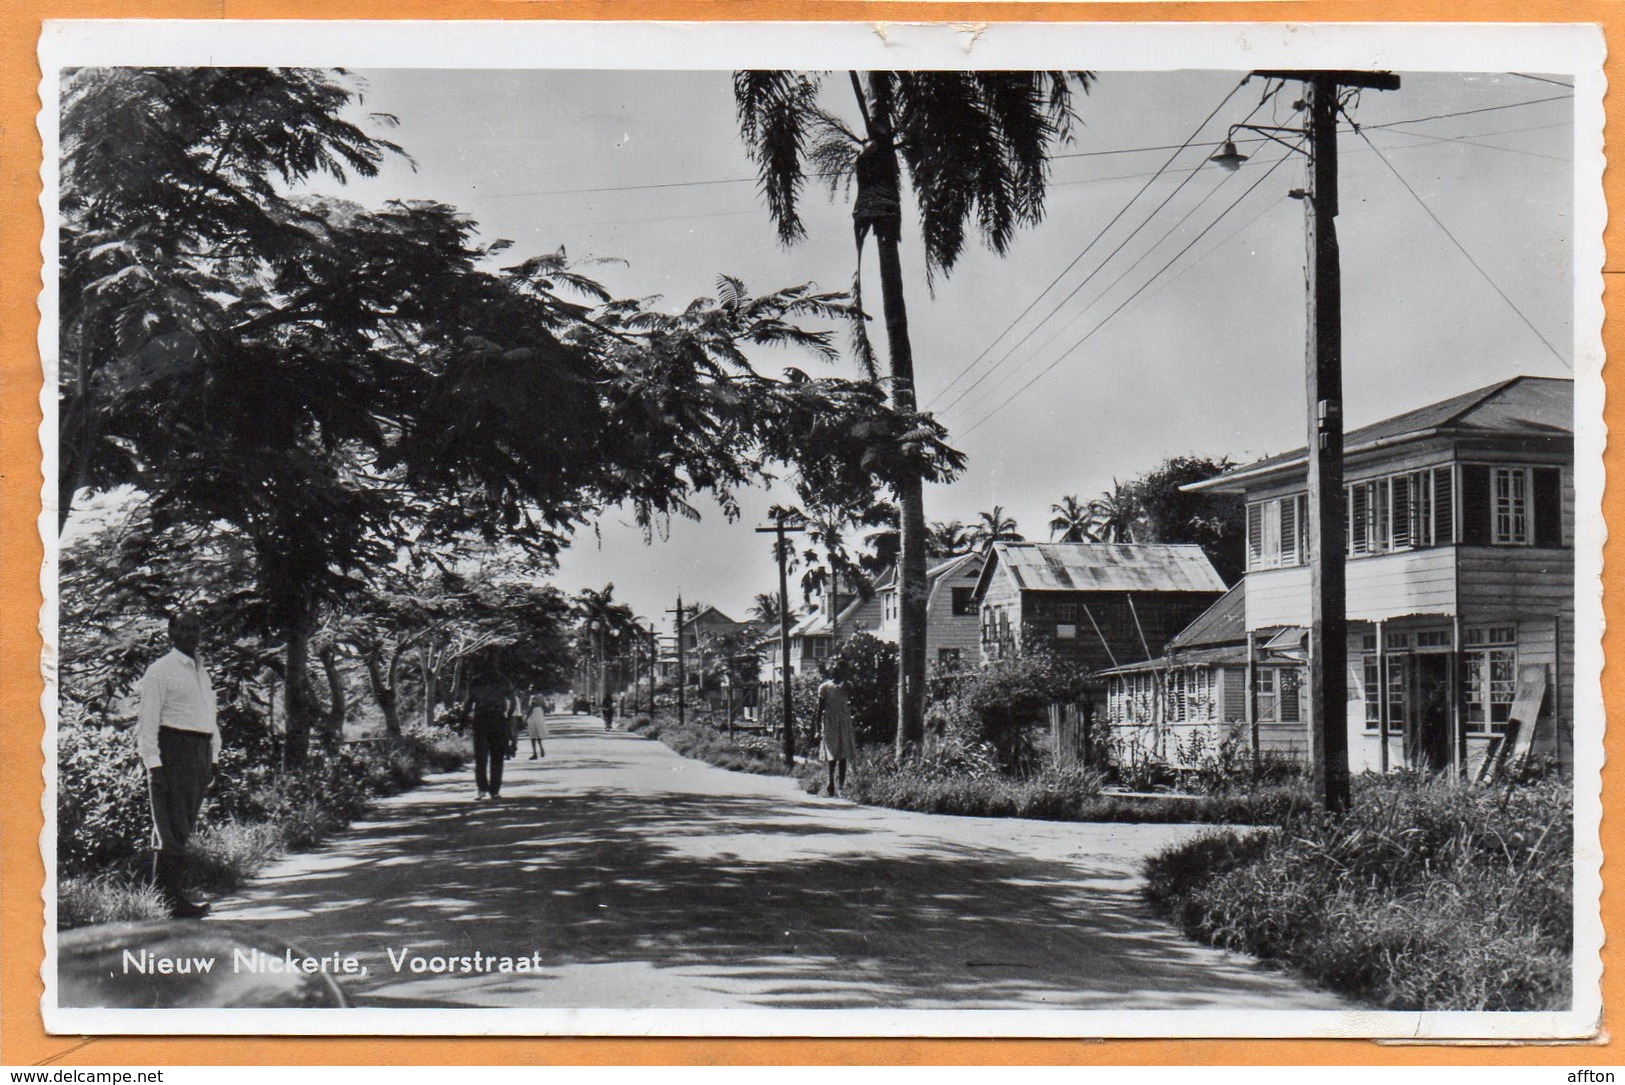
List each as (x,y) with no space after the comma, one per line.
(822,529)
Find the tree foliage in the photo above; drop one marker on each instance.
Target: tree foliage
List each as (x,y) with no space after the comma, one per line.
(331,384)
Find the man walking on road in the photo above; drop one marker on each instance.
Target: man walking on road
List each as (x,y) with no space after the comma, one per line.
(178,738)
(488,711)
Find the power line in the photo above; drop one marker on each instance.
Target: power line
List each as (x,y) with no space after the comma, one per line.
(1466,142)
(1093,241)
(711,182)
(1085,252)
(1120,277)
(1463,249)
(1542,79)
(1470,112)
(1107,319)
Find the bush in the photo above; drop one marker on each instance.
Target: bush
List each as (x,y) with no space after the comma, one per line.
(1425,895)
(803,702)
(102,817)
(866,667)
(1006,706)
(256,811)
(966,779)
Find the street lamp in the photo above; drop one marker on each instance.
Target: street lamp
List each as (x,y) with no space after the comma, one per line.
(1328,627)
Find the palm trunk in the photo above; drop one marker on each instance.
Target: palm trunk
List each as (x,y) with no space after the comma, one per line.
(910,491)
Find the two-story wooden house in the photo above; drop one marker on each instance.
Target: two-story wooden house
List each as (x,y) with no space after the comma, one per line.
(1096,605)
(1459,528)
(952,626)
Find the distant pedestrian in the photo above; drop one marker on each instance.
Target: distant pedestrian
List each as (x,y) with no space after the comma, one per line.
(609,713)
(178,738)
(488,713)
(833,720)
(536,721)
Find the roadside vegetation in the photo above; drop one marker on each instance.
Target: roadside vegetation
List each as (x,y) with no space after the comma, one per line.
(703,737)
(257,812)
(1427,895)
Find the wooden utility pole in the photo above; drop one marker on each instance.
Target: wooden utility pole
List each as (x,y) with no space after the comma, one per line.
(782,551)
(682,674)
(1328,626)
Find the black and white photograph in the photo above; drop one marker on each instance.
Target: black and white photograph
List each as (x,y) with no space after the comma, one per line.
(821,529)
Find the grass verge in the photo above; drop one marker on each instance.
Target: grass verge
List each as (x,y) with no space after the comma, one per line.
(701,740)
(1427,895)
(938,786)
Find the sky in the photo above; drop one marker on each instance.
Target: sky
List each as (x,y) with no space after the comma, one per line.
(645,171)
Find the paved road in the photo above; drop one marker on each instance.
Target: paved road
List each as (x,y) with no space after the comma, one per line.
(637,878)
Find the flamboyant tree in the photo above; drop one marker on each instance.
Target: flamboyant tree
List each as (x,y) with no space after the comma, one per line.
(333,384)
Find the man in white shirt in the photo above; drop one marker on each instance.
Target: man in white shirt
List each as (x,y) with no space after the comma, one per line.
(178,738)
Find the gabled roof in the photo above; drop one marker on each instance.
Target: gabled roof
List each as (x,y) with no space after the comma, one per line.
(933,573)
(1146,567)
(712,612)
(1223,623)
(1521,407)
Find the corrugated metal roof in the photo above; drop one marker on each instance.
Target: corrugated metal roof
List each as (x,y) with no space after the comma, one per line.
(1518,407)
(1107,567)
(1225,622)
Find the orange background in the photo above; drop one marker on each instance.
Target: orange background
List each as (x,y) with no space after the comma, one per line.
(22,1036)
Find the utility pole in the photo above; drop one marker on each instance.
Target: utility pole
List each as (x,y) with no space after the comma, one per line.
(1328,628)
(682,676)
(779,530)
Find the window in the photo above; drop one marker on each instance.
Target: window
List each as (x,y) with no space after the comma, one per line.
(1278,532)
(1398,512)
(964,601)
(1065,631)
(1511,506)
(1066,612)
(1510,490)
(948,659)
(1133,698)
(1489,662)
(1290,710)
(1399,673)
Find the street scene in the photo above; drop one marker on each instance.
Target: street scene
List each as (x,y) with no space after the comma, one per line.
(771,540)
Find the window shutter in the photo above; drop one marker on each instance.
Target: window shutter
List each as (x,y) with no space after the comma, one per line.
(1255,535)
(1359,519)
(1548,506)
(1289,531)
(1475,504)
(1400,532)
(1444,494)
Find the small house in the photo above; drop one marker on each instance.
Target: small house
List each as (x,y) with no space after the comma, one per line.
(1095,605)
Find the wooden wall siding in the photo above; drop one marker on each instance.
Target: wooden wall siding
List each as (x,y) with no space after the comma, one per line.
(1000,592)
(1385,586)
(944,629)
(1161,615)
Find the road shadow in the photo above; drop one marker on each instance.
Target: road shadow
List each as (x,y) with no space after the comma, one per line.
(763,900)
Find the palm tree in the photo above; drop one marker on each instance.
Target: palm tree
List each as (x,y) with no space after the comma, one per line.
(1113,514)
(976,145)
(991,527)
(766,609)
(1071,522)
(946,538)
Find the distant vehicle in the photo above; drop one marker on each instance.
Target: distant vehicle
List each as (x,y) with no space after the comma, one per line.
(581,706)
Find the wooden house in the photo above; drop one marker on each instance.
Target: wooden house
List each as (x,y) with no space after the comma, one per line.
(1459,532)
(1095,605)
(952,627)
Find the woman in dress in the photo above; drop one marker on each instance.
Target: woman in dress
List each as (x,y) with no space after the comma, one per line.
(536,720)
(833,719)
